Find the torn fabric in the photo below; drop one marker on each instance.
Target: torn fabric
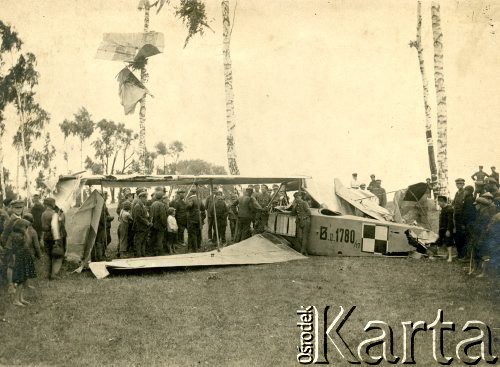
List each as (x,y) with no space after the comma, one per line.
(125,46)
(130,90)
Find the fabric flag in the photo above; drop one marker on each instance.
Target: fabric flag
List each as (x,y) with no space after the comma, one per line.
(130,90)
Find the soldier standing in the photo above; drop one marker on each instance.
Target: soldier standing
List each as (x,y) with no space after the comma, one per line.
(209,203)
(479,178)
(300,208)
(141,225)
(221,211)
(458,218)
(372,183)
(232,215)
(180,215)
(445,225)
(494,174)
(195,217)
(159,225)
(262,216)
(52,237)
(246,207)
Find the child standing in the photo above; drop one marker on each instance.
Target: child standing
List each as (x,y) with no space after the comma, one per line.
(172,229)
(24,266)
(33,244)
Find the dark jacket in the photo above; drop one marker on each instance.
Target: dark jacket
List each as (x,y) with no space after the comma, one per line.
(140,217)
(195,210)
(221,210)
(37,212)
(468,210)
(247,206)
(180,211)
(159,215)
(445,220)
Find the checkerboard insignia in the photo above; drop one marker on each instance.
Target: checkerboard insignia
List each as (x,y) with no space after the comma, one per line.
(375,238)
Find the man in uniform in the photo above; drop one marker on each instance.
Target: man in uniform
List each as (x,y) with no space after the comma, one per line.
(275,195)
(458,217)
(262,216)
(52,237)
(180,215)
(372,183)
(246,206)
(141,225)
(300,208)
(380,193)
(232,215)
(159,225)
(209,205)
(445,225)
(221,211)
(195,211)
(479,178)
(494,174)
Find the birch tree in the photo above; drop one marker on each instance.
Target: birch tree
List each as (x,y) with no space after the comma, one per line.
(417,44)
(228,83)
(442,117)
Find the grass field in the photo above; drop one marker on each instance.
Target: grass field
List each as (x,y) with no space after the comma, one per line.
(237,316)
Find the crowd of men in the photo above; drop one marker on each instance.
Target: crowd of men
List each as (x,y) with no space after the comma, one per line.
(471,221)
(155,225)
(375,187)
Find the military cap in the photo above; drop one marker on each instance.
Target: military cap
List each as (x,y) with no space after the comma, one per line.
(362,185)
(276,186)
(482,201)
(372,175)
(443,198)
(142,194)
(49,202)
(493,167)
(378,180)
(28,217)
(139,190)
(460,180)
(158,194)
(296,194)
(354,174)
(469,188)
(487,195)
(17,204)
(480,166)
(264,185)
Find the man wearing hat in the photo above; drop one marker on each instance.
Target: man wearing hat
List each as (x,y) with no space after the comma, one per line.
(195,217)
(458,217)
(246,207)
(494,174)
(362,186)
(300,208)
(179,205)
(373,183)
(52,238)
(445,225)
(491,185)
(380,193)
(485,212)
(261,217)
(15,212)
(479,178)
(159,225)
(141,224)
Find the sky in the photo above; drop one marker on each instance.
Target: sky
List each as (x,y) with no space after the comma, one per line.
(322,88)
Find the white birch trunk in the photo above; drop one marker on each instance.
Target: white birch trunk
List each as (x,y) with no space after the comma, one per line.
(442,133)
(23,147)
(425,84)
(142,111)
(228,81)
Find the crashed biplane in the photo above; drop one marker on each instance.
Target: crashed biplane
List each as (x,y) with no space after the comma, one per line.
(342,224)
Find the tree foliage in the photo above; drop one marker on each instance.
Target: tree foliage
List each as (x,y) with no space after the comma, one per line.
(81,127)
(193,15)
(199,167)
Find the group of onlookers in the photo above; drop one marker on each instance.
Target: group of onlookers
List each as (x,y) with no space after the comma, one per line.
(375,187)
(471,222)
(155,225)
(29,232)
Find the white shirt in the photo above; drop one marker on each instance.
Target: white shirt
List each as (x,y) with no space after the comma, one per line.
(172,224)
(354,184)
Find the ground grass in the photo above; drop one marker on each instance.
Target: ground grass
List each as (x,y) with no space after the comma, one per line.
(234,315)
